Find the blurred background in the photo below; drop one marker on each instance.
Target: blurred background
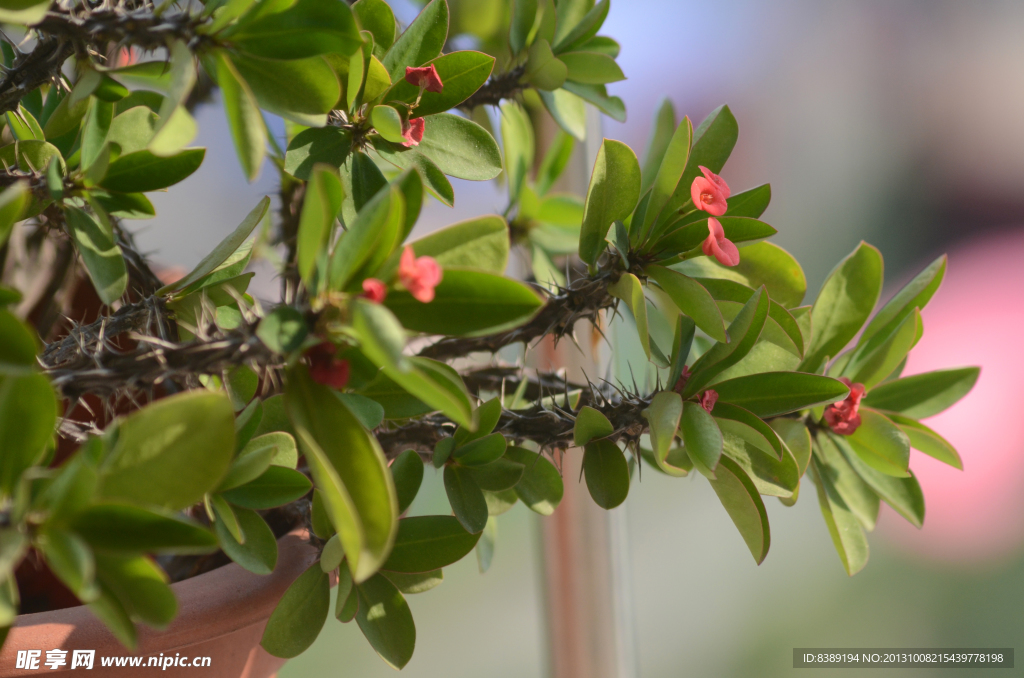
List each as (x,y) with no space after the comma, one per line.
(899,123)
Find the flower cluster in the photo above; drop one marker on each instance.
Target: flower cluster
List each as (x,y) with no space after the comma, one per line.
(419,275)
(842,417)
(710,193)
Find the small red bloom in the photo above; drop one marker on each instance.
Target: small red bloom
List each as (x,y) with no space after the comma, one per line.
(374,290)
(325,368)
(710,193)
(412,132)
(718,246)
(419,275)
(425,77)
(842,417)
(708,399)
(683,378)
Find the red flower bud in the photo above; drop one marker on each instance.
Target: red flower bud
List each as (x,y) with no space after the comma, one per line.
(718,246)
(412,132)
(710,193)
(842,417)
(419,275)
(683,378)
(425,77)
(325,368)
(374,290)
(708,399)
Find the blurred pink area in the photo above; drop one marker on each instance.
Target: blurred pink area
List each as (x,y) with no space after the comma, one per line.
(976,318)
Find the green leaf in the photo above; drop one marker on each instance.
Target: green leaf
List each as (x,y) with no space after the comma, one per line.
(427,543)
(554,162)
(244,118)
(102,257)
(421,41)
(613,193)
(923,395)
(66,117)
(481,243)
(349,469)
(590,425)
(541,487)
(303,90)
(94,131)
(256,457)
(663,418)
(467,302)
(436,182)
(24,126)
(858,496)
(419,582)
(259,552)
(691,298)
(428,386)
(370,235)
(296,621)
(71,560)
(771,475)
(568,110)
(517,139)
(304,29)
(902,494)
(673,156)
(462,74)
(23,12)
(743,334)
(329,145)
(501,502)
(131,529)
(384,616)
(591,68)
(876,359)
(880,444)
(847,534)
(757,432)
(140,586)
(143,171)
(773,393)
(844,304)
(928,441)
(762,263)
(739,497)
(407,473)
(606,472)
(497,476)
(13,201)
(702,437)
(376,16)
(275,487)
(466,498)
(583,30)
(222,251)
(797,439)
(693,233)
(662,133)
(348,600)
(283,330)
(388,123)
(544,70)
(316,222)
(914,294)
(459,147)
(28,412)
(713,141)
(629,289)
(174,467)
(524,16)
(485,547)
(480,451)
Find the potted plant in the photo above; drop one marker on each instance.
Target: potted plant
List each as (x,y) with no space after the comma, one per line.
(258,452)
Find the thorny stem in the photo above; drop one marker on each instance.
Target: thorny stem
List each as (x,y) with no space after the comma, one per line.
(499,88)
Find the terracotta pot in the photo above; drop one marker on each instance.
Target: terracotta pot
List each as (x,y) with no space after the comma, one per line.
(221,615)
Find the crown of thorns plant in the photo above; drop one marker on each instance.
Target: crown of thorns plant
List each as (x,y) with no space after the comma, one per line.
(189,418)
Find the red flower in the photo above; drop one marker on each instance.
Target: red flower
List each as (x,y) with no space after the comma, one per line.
(683,378)
(718,246)
(708,399)
(419,275)
(325,368)
(412,132)
(842,417)
(710,192)
(374,290)
(425,77)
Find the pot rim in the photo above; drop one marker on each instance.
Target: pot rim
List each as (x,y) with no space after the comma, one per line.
(210,605)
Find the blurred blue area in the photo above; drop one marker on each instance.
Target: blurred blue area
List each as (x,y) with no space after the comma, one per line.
(894,122)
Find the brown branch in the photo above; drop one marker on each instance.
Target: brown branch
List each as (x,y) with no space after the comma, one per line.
(583,300)
(499,88)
